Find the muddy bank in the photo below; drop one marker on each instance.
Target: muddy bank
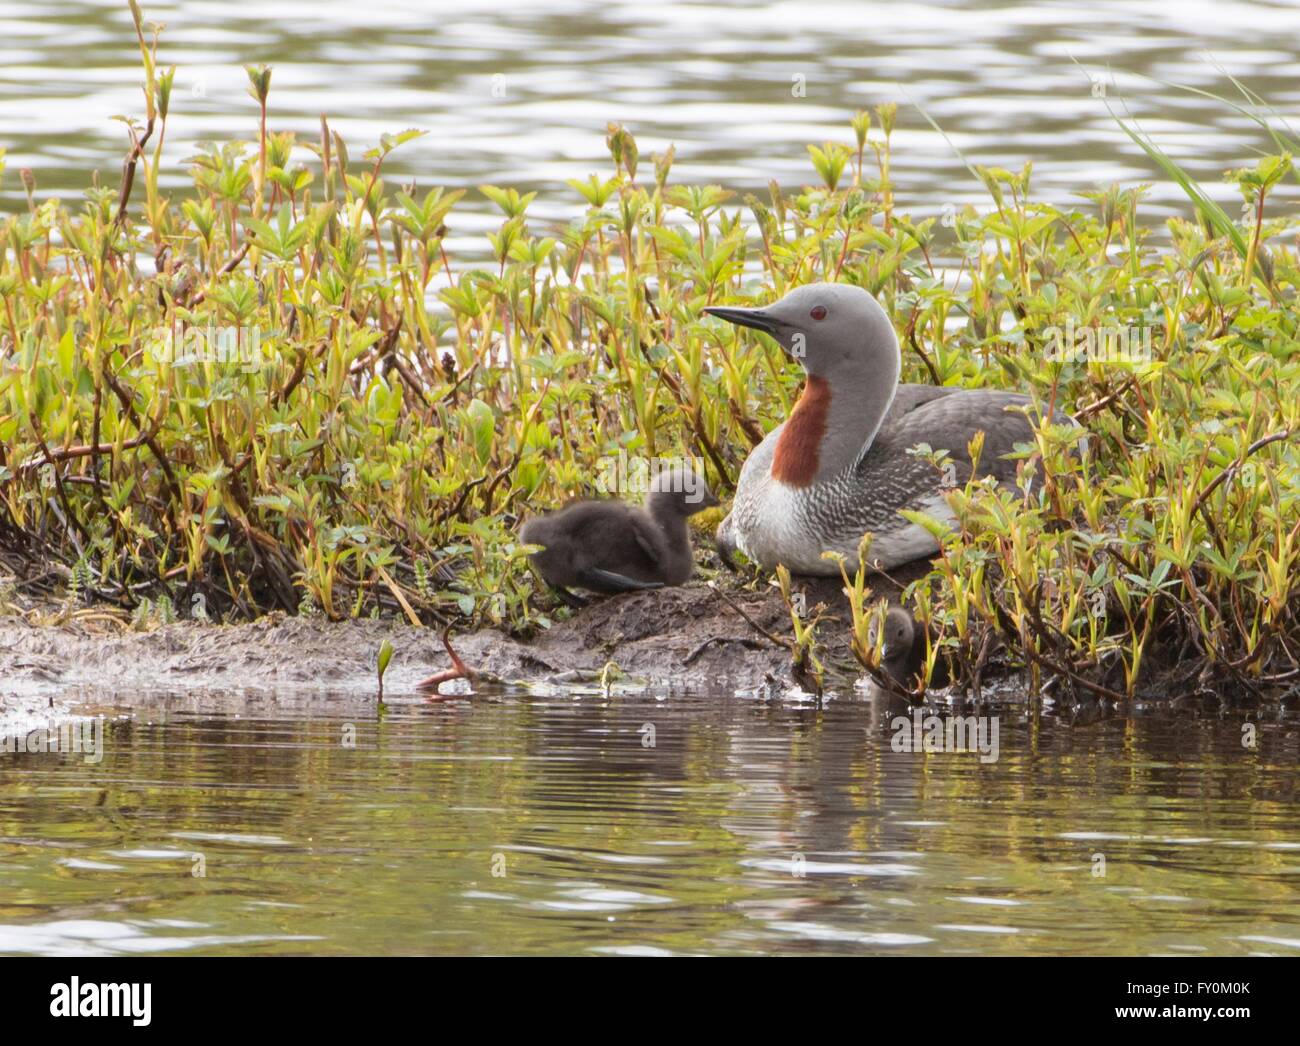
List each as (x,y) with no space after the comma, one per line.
(689,637)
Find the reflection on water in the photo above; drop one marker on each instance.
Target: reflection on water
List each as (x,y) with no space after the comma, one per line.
(521,93)
(545,824)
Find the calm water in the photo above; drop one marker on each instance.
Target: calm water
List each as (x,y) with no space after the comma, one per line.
(520,93)
(606,846)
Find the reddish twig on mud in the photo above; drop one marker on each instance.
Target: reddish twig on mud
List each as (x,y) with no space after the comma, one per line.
(745,641)
(458,669)
(777,640)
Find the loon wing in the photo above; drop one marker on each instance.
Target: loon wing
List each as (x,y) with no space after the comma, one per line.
(626,564)
(597,578)
(948,419)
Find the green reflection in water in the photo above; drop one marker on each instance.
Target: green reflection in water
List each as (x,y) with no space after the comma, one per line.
(749,827)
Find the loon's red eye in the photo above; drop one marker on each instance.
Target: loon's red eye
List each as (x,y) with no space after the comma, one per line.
(818,312)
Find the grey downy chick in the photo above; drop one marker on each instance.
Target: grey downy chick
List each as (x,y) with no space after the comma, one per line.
(608,546)
(902,654)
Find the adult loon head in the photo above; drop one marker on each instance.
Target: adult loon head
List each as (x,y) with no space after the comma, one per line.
(846,344)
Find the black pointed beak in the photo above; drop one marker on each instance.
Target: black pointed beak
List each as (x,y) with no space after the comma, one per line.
(759,319)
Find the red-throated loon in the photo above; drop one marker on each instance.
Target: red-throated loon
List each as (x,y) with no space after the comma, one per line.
(611,546)
(839,466)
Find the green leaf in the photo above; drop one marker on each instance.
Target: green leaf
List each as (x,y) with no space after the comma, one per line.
(482,422)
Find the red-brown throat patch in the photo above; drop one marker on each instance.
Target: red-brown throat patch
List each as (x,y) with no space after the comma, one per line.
(798,450)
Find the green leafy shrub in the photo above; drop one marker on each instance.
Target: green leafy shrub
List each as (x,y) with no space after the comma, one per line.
(283,391)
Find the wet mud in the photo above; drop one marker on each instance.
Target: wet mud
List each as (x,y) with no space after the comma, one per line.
(690,637)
